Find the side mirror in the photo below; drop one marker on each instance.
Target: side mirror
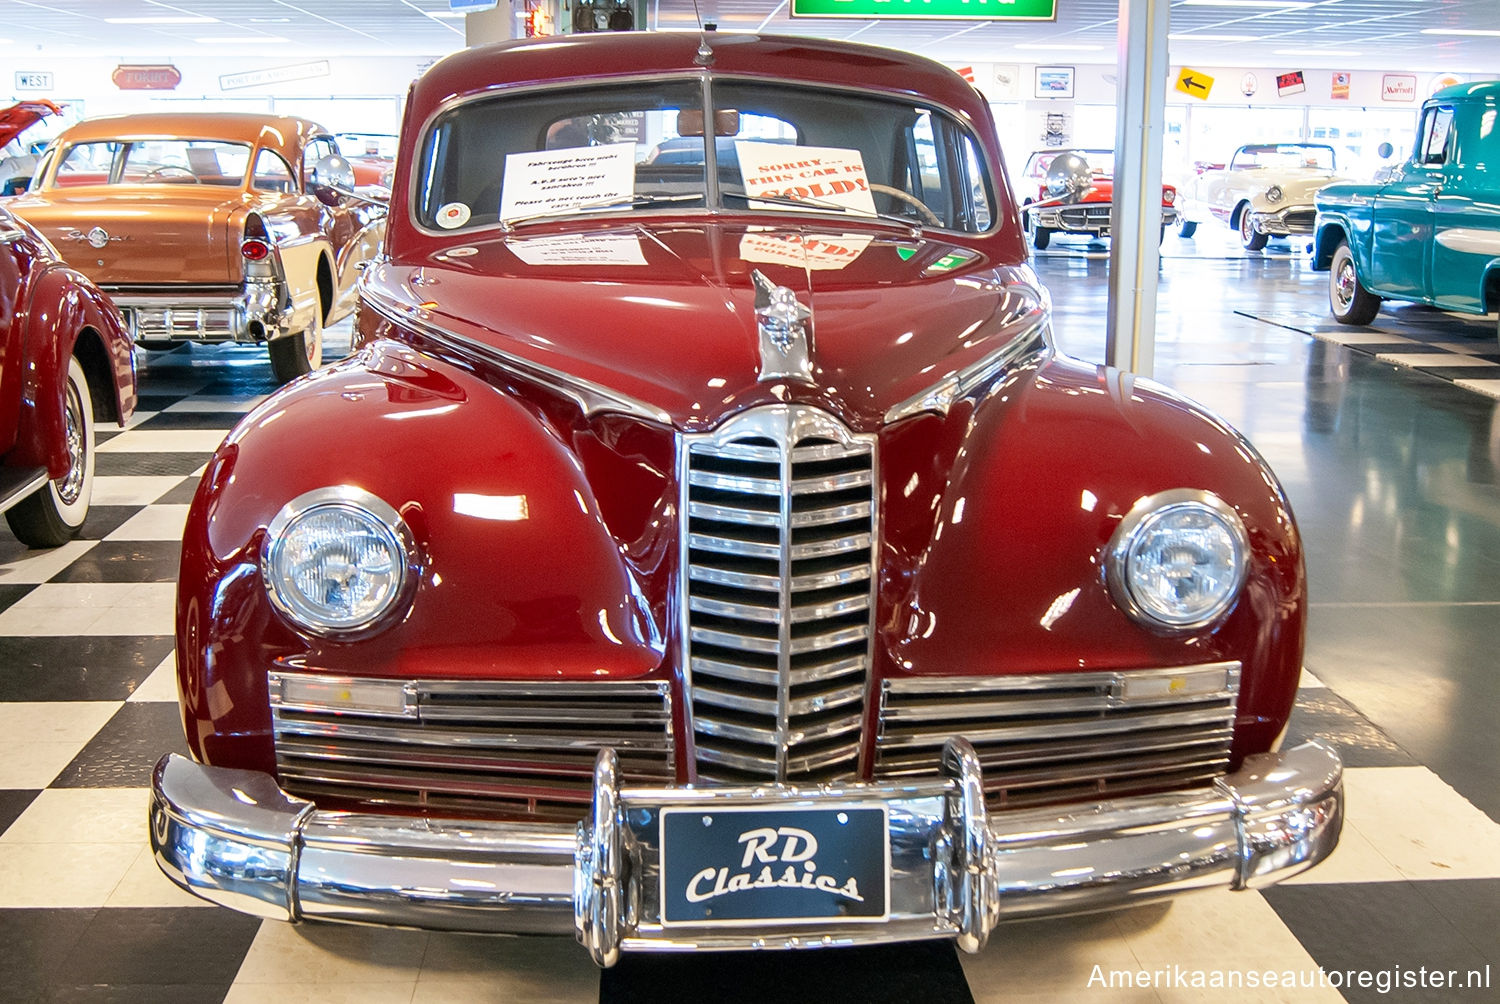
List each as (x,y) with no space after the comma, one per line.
(1384,151)
(1069,175)
(15,186)
(332,177)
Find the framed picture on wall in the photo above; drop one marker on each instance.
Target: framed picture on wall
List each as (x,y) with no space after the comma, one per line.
(1054,81)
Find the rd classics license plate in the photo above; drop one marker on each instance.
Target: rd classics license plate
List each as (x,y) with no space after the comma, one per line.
(793,866)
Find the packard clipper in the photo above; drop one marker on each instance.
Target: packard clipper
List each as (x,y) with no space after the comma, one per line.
(716,552)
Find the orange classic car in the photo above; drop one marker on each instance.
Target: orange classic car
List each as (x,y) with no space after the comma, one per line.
(211,227)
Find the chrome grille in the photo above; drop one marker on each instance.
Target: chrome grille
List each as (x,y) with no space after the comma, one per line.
(1085,216)
(1065,736)
(1301,221)
(778,594)
(476,746)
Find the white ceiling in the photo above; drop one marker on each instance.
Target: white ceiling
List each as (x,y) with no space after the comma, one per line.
(1354,34)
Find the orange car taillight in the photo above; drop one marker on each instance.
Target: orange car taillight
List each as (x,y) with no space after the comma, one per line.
(255,249)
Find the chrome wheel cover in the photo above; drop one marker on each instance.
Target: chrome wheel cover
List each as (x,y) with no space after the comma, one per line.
(1344,284)
(70,485)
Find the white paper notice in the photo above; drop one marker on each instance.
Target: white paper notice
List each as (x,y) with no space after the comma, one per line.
(579,249)
(817,173)
(551,181)
(817,252)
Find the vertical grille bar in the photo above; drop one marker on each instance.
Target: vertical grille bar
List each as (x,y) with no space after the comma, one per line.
(777,594)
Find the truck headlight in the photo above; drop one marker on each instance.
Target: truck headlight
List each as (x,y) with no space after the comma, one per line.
(1274,194)
(1178,560)
(338,561)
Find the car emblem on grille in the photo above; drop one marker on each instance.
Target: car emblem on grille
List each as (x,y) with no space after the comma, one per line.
(785,348)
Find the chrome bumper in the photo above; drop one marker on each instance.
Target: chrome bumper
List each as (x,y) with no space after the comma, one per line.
(253,315)
(235,838)
(1281,224)
(1060,219)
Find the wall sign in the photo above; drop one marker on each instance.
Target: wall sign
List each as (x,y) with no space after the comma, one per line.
(1340,88)
(964,10)
(275,75)
(33,80)
(1290,83)
(1398,87)
(146,77)
(1054,81)
(1195,83)
(1249,84)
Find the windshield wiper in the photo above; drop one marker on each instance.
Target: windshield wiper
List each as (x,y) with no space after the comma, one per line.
(835,207)
(634,202)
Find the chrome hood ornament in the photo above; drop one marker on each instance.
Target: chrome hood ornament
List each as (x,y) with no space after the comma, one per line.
(785,342)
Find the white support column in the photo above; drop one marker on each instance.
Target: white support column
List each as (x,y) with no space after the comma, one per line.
(499,24)
(1135,220)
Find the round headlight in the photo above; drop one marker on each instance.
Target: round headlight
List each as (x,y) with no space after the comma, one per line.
(338,560)
(1274,193)
(1178,560)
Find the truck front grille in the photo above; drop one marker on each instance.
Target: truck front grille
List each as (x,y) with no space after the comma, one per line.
(777,594)
(468,747)
(1066,736)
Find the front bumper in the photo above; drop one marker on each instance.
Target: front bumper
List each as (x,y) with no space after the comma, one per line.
(235,838)
(254,314)
(1285,222)
(1088,218)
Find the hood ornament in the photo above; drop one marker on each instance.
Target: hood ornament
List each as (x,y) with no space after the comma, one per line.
(785,342)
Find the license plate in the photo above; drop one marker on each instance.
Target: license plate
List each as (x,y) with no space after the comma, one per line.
(788,866)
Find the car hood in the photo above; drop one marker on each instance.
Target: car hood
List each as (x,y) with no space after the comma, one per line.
(662,317)
(153,233)
(19,117)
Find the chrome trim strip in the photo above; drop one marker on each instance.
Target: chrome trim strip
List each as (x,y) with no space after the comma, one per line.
(591,398)
(1035,340)
(234,838)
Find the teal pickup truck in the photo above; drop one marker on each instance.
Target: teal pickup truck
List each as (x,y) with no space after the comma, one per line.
(1431,233)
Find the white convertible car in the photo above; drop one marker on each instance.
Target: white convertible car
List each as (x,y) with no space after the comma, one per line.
(1266,191)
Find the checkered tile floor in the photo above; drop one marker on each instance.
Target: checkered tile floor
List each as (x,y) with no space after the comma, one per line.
(87,704)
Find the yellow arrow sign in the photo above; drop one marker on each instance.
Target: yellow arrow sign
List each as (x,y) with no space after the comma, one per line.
(1195,83)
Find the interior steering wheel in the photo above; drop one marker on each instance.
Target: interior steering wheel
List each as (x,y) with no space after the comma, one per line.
(928,216)
(158,172)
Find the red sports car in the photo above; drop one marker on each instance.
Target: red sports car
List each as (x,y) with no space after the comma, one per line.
(717,553)
(1085,211)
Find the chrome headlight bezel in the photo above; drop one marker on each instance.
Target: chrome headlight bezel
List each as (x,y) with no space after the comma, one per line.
(1142,516)
(387,524)
(1274,194)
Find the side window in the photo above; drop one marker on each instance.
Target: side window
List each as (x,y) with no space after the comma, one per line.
(979,192)
(314,152)
(272,174)
(1436,128)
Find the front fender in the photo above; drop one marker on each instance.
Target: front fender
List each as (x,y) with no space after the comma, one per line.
(1003,545)
(520,578)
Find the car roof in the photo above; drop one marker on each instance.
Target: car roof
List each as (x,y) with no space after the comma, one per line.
(1483,90)
(283,133)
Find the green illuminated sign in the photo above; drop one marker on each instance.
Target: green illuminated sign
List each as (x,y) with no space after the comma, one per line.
(968,10)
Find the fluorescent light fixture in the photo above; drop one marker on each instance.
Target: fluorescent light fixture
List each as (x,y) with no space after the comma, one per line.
(1486,32)
(162,19)
(1199,36)
(1315,52)
(238,39)
(1248,3)
(1057,47)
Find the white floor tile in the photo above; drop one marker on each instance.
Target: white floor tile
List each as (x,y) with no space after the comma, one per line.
(92,608)
(144,885)
(515,969)
(332,954)
(156,522)
(131,490)
(1434,360)
(22,566)
(165,441)
(321,993)
(1309,681)
(161,685)
(138,417)
(83,816)
(38,739)
(1421,825)
(58,875)
(1355,859)
(1215,928)
(1489,388)
(1364,338)
(1056,956)
(217,403)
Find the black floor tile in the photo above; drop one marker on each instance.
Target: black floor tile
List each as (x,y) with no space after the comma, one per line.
(104,435)
(190,420)
(131,993)
(1378,926)
(920,972)
(103,668)
(1322,714)
(34,949)
(10,594)
(13,802)
(1474,908)
(122,754)
(1463,372)
(104,520)
(148,464)
(158,402)
(158,947)
(126,561)
(182,494)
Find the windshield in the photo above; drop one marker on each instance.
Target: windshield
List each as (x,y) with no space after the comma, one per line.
(1101,162)
(153,162)
(777,147)
(1283,156)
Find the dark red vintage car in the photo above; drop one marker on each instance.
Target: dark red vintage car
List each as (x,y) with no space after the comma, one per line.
(65,363)
(716,552)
